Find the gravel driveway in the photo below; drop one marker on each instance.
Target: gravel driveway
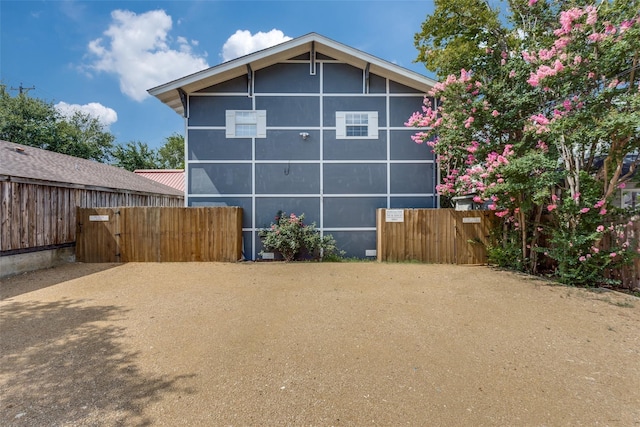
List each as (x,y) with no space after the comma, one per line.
(345,344)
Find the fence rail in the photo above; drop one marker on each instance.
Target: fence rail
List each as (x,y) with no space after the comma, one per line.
(442,236)
(36,215)
(151,234)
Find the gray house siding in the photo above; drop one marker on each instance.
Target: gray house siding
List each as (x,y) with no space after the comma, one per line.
(336,183)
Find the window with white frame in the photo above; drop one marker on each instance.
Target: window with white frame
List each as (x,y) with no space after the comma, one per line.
(356,125)
(631,198)
(246,124)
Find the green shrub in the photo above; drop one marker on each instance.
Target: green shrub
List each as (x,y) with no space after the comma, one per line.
(293,239)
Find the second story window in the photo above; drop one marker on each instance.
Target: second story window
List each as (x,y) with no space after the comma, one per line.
(246,124)
(356,125)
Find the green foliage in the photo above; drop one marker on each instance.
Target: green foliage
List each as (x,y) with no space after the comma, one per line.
(171,154)
(455,35)
(36,123)
(537,123)
(83,136)
(290,237)
(135,155)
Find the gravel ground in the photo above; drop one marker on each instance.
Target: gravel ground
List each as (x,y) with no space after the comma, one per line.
(345,344)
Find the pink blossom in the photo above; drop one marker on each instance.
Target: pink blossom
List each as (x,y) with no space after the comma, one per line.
(594,249)
(558,66)
(495,113)
(596,37)
(592,15)
(600,228)
(540,119)
(502,213)
(529,57)
(599,204)
(625,25)
(467,123)
(603,211)
(561,42)
(532,2)
(613,254)
(577,60)
(546,54)
(622,185)
(512,74)
(533,80)
(584,210)
(551,207)
(582,259)
(542,146)
(566,19)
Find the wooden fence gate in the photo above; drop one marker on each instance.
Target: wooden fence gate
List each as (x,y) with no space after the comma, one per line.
(440,236)
(159,234)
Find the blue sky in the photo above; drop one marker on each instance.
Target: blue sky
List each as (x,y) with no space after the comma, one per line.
(102,56)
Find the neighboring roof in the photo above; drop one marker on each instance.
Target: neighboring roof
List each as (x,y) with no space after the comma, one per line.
(22,161)
(170,93)
(172,177)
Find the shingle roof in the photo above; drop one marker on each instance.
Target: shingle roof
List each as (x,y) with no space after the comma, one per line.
(172,177)
(22,161)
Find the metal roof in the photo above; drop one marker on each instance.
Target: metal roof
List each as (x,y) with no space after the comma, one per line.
(170,93)
(171,177)
(30,163)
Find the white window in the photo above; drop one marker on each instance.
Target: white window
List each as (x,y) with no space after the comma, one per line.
(631,198)
(356,125)
(246,124)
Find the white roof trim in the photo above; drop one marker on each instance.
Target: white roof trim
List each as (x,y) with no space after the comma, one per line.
(168,92)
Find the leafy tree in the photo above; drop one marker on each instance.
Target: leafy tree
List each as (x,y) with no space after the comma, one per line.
(83,136)
(28,121)
(540,104)
(456,35)
(37,123)
(171,154)
(135,155)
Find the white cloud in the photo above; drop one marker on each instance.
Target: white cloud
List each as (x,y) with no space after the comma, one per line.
(242,43)
(140,52)
(105,115)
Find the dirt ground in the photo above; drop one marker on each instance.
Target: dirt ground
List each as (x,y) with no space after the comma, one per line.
(345,344)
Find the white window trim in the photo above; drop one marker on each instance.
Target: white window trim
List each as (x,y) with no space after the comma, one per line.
(631,192)
(341,125)
(261,123)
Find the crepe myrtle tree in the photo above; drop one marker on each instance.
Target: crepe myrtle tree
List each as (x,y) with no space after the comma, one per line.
(541,131)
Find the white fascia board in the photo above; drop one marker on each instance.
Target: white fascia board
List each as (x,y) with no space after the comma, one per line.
(168,92)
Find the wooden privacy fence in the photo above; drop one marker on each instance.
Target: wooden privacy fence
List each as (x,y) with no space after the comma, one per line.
(441,236)
(153,234)
(40,215)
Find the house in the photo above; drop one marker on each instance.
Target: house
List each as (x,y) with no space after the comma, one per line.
(39,193)
(173,178)
(308,126)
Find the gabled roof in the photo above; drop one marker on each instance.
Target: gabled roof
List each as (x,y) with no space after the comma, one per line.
(169,93)
(30,163)
(173,178)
